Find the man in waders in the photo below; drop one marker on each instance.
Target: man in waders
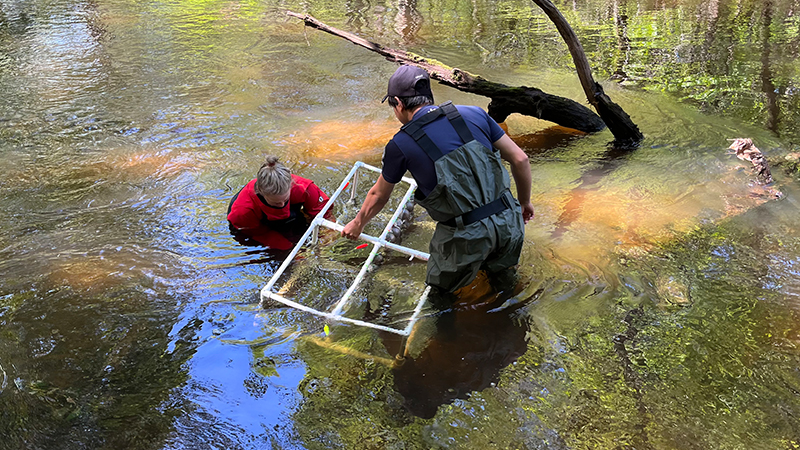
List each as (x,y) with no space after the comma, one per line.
(454,154)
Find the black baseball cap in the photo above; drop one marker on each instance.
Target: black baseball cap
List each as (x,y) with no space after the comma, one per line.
(409,81)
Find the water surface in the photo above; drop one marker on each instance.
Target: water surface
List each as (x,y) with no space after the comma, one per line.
(659,295)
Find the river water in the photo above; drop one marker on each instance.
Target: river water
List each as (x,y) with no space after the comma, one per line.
(659,302)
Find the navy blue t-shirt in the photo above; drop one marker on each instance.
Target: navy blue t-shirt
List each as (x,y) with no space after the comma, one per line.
(403,154)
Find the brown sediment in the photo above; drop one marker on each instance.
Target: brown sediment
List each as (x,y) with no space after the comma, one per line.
(630,220)
(134,166)
(148,164)
(99,273)
(342,140)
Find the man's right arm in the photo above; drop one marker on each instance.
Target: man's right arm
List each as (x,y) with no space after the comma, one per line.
(376,199)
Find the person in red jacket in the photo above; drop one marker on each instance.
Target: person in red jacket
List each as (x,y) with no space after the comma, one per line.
(276,208)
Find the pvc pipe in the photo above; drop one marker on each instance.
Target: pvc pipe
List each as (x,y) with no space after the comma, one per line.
(378,242)
(381,240)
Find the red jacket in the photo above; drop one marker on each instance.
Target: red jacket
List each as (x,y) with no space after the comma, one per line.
(252,217)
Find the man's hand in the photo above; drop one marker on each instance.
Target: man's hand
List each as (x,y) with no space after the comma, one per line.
(376,199)
(527,212)
(353,229)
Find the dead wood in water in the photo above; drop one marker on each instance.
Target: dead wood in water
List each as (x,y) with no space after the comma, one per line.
(506,100)
(746,151)
(619,122)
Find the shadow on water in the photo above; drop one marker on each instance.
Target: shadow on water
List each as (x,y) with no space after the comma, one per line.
(546,139)
(463,349)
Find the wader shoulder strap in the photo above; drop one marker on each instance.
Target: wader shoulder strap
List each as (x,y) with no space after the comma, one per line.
(416,131)
(415,128)
(457,121)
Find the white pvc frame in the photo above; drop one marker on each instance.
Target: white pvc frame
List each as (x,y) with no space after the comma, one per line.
(378,242)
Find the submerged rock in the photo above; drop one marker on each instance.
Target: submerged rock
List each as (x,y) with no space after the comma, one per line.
(673,290)
(793,162)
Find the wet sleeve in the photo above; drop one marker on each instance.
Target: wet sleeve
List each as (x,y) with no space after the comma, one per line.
(247,223)
(394,163)
(270,238)
(244,218)
(315,201)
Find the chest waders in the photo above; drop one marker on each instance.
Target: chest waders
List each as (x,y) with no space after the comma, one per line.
(479,223)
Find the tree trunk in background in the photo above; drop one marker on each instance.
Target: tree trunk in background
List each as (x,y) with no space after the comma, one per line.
(505,99)
(767,85)
(619,123)
(623,42)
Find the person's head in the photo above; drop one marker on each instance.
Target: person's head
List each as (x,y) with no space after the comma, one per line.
(409,87)
(274,182)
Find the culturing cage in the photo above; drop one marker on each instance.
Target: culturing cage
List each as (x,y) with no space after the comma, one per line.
(336,311)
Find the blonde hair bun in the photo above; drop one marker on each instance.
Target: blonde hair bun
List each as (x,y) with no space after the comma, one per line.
(273,177)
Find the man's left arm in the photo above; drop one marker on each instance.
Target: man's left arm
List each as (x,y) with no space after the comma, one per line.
(520,170)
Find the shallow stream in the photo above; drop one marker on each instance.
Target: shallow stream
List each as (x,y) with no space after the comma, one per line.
(659,302)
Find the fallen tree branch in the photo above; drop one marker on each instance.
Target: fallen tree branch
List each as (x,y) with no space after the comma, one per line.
(619,123)
(505,99)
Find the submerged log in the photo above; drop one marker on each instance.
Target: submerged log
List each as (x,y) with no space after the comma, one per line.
(625,132)
(506,100)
